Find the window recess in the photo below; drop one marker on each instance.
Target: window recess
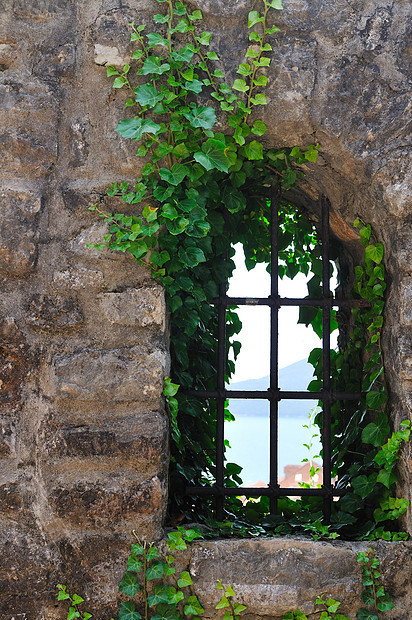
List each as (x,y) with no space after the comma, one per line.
(274,394)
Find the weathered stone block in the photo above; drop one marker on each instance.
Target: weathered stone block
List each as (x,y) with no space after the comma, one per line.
(91,235)
(48,313)
(140,443)
(274,576)
(114,375)
(19,95)
(37,10)
(14,365)
(8,52)
(27,154)
(55,61)
(18,231)
(105,505)
(76,279)
(142,307)
(109,55)
(79,146)
(406,301)
(27,570)
(10,497)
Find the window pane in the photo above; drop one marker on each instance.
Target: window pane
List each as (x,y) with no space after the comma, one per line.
(253,361)
(248,436)
(296,428)
(296,341)
(244,283)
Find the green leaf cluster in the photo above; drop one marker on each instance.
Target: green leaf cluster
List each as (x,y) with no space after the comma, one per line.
(153,588)
(74,600)
(373,594)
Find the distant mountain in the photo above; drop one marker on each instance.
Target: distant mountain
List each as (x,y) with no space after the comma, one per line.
(295,377)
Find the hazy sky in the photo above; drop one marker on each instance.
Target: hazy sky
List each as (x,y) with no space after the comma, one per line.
(295,341)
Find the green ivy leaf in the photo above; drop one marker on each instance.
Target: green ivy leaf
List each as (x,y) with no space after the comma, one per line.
(196,15)
(129,584)
(77,599)
(119,82)
(213,155)
(110,70)
(185,578)
(387,478)
(223,603)
(259,128)
(259,99)
(128,612)
(166,612)
(138,249)
(137,549)
(148,95)
(152,64)
(170,389)
(160,595)
(73,613)
(365,233)
(155,570)
(177,226)
(160,19)
(253,18)
(275,4)
(364,614)
(254,150)
(240,85)
(364,486)
(169,211)
(376,432)
(185,54)
(233,199)
(203,116)
(133,563)
(374,253)
(135,128)
(175,175)
(204,38)
(152,553)
(194,86)
(193,606)
(375,399)
(174,596)
(155,39)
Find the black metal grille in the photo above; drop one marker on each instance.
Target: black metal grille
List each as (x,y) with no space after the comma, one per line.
(273,394)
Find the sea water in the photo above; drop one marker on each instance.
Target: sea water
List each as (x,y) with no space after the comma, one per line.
(249,440)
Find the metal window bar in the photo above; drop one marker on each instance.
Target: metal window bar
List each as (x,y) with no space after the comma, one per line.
(274,394)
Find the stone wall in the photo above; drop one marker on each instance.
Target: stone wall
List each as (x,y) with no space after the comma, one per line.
(83,444)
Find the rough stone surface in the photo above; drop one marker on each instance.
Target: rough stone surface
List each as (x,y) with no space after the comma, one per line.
(83,431)
(275,576)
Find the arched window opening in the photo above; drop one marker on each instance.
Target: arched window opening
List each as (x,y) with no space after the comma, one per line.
(318,308)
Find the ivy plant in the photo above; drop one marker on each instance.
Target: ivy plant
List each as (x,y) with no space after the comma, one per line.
(152,588)
(200,191)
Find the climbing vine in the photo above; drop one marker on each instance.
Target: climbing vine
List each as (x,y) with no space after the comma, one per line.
(200,192)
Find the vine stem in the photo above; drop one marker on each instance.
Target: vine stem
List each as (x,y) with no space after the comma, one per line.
(252,87)
(146,603)
(373,585)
